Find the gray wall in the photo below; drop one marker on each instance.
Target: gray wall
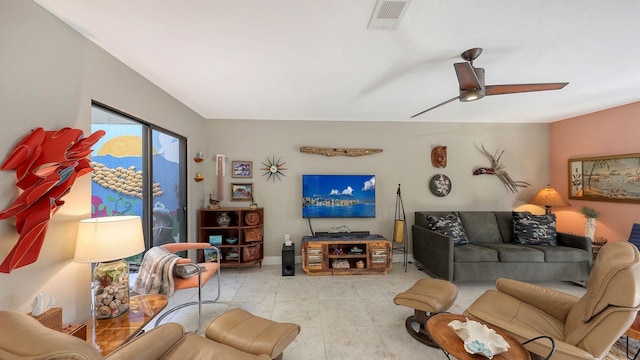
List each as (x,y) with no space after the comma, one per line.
(406,160)
(50,74)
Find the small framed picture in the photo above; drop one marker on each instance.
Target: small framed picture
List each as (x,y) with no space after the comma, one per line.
(241,169)
(241,192)
(215,239)
(210,255)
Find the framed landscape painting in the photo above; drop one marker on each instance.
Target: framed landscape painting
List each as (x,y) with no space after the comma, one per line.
(605,178)
(241,192)
(241,169)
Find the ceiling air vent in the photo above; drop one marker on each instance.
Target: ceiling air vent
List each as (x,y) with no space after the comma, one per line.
(387,14)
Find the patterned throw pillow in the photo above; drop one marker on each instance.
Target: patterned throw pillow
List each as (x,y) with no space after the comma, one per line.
(449,225)
(534,229)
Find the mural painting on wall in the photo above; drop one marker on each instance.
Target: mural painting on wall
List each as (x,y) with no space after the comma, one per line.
(47,164)
(117,187)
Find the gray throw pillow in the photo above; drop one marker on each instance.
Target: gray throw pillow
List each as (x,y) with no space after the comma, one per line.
(449,225)
(534,229)
(184,270)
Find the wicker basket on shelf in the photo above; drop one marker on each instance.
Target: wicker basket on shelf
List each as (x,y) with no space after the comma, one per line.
(51,318)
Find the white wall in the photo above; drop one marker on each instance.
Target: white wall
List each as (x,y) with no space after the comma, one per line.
(50,74)
(406,160)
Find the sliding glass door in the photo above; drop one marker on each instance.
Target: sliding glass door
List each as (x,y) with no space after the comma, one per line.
(139,169)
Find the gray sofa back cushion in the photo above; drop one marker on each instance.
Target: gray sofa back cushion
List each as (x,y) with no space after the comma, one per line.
(505,223)
(480,226)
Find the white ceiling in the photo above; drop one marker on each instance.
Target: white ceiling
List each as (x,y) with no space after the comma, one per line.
(316,60)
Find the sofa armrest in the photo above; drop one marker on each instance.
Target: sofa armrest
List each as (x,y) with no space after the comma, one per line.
(150,345)
(434,251)
(552,302)
(574,241)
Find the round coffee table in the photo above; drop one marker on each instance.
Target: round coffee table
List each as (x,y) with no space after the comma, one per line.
(450,343)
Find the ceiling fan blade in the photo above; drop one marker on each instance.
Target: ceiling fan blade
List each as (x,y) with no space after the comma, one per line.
(519,88)
(467,77)
(433,107)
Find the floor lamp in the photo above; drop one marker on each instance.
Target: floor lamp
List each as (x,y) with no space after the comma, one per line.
(400,229)
(107,241)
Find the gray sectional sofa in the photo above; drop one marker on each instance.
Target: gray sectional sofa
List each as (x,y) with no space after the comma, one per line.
(491,253)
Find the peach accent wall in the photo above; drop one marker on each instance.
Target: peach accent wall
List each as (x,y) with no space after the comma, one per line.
(614,131)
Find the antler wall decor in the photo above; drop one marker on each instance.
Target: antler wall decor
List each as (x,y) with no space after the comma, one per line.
(497,168)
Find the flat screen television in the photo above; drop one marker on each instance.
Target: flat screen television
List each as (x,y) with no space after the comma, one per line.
(338,196)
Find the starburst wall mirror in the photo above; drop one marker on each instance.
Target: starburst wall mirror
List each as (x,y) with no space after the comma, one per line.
(273,168)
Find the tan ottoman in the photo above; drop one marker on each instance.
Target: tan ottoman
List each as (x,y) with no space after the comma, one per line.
(426,297)
(253,334)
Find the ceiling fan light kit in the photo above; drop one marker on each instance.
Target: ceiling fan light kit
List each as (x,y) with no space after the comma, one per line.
(472,87)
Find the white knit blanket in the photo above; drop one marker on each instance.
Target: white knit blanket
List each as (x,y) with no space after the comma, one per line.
(156,272)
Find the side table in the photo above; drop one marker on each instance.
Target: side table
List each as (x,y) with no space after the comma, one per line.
(450,343)
(77,330)
(107,334)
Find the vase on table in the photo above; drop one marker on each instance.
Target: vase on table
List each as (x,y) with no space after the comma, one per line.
(590,228)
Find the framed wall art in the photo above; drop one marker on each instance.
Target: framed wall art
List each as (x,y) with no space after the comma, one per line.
(241,169)
(605,178)
(241,192)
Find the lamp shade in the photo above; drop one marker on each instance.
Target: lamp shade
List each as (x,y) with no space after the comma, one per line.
(109,238)
(548,196)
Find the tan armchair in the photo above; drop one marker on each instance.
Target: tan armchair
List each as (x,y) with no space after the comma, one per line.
(23,337)
(583,328)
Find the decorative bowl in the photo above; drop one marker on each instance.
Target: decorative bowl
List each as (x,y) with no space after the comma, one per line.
(479,339)
(232,241)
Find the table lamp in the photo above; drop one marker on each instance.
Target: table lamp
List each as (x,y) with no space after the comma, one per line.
(548,197)
(107,241)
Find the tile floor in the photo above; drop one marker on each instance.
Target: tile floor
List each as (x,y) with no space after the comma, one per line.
(341,317)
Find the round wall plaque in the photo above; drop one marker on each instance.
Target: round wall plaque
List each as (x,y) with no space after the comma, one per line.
(440,185)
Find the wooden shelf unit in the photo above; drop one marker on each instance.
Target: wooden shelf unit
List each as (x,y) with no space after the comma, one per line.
(246,226)
(327,255)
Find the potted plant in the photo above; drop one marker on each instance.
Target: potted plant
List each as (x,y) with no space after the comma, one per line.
(591,215)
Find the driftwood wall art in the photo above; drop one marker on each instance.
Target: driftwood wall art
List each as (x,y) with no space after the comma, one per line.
(47,164)
(338,151)
(497,169)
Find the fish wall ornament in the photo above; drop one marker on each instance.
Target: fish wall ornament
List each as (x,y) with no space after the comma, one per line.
(498,169)
(47,164)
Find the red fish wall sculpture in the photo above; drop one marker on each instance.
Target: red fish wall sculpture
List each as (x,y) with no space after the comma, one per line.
(47,164)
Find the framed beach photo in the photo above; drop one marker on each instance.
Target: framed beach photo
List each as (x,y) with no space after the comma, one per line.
(241,169)
(241,192)
(605,178)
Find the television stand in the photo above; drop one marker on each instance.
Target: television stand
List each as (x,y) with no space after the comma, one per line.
(346,255)
(319,234)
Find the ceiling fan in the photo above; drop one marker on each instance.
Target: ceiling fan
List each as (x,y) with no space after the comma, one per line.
(472,87)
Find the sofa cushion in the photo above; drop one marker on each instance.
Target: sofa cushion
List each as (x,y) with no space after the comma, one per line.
(474,253)
(480,226)
(534,229)
(517,253)
(449,225)
(562,254)
(505,224)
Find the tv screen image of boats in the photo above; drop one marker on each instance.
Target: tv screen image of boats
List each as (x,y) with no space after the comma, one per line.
(338,196)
